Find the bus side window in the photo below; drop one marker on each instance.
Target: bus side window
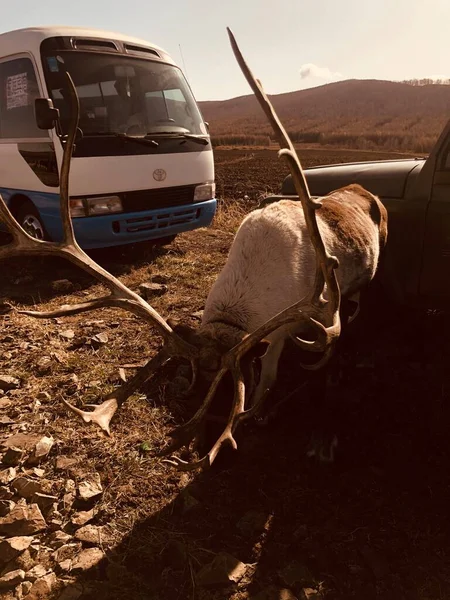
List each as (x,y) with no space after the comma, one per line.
(18,91)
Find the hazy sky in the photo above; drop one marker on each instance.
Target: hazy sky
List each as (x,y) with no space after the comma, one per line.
(289,44)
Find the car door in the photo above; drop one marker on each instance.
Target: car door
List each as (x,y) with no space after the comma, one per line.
(435,272)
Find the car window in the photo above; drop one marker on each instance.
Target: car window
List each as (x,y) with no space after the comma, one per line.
(19,89)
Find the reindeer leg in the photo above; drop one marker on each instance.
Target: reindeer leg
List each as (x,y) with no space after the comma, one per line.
(325,392)
(268,376)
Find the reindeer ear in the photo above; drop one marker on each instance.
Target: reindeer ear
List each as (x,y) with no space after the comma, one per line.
(186,332)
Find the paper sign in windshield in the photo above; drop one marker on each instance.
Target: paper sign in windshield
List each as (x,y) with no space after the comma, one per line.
(16,91)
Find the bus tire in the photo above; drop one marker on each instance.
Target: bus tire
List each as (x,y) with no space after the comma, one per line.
(28,217)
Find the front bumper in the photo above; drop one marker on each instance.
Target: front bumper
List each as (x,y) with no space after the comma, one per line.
(127,228)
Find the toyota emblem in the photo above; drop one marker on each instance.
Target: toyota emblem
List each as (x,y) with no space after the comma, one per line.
(159,174)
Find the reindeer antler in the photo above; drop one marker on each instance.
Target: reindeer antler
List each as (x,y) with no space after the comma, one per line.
(315,311)
(120,296)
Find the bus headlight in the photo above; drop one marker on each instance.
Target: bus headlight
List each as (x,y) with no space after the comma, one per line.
(90,207)
(104,205)
(205,191)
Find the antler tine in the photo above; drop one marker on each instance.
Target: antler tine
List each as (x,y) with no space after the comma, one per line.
(237,412)
(120,296)
(320,315)
(69,235)
(326,264)
(255,84)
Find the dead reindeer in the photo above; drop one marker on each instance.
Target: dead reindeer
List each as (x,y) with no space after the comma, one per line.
(279,282)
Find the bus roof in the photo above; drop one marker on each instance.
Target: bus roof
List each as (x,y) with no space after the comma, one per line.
(29,39)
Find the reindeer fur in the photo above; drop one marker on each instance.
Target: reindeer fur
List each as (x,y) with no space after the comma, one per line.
(271,265)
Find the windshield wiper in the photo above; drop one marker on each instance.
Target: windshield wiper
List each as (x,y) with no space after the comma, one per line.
(123,136)
(196,138)
(178,134)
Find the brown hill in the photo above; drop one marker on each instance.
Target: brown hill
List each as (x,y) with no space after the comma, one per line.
(357,113)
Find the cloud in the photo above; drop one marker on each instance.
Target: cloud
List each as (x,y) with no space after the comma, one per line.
(310,73)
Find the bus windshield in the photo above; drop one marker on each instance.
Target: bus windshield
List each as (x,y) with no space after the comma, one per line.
(123,95)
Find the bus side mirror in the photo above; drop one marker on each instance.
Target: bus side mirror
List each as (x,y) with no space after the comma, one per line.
(206,125)
(46,114)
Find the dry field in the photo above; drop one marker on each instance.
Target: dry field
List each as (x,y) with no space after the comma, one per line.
(373,525)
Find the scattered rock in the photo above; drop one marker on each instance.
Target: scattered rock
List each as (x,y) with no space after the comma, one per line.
(67,334)
(26,488)
(44,397)
(23,520)
(65,566)
(12,579)
(12,547)
(34,550)
(5,493)
(87,559)
(58,539)
(151,290)
(25,441)
(25,587)
(36,572)
(100,339)
(23,561)
(13,456)
(66,551)
(72,592)
(223,570)
(6,507)
(5,403)
(295,572)
(7,382)
(91,487)
(70,486)
(198,314)
(82,517)
(44,365)
(44,501)
(63,463)
(5,420)
(92,534)
(62,285)
(7,475)
(41,450)
(55,523)
(42,587)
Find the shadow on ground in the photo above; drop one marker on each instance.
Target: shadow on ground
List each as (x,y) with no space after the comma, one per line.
(19,273)
(372,525)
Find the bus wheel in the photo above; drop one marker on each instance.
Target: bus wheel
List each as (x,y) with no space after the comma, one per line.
(28,217)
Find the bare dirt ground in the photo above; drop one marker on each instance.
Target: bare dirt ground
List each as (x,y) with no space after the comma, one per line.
(374,524)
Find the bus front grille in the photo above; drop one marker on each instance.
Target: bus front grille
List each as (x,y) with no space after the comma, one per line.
(158,198)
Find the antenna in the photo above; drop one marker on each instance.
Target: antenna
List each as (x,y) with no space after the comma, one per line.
(184,65)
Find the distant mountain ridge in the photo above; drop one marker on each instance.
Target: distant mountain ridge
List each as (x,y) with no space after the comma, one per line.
(358,113)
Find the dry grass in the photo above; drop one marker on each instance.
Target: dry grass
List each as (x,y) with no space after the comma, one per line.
(377,496)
